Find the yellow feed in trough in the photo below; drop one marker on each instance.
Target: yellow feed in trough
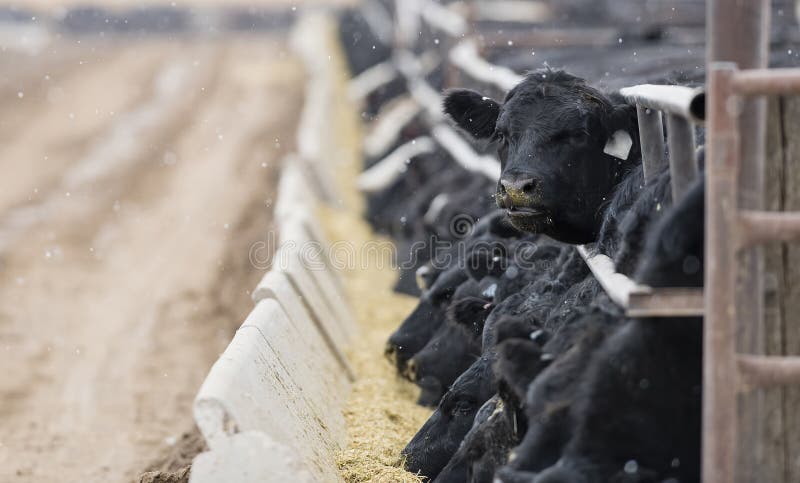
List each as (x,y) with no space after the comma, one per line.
(381,413)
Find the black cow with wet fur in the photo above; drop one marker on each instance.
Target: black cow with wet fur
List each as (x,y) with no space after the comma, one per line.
(563,146)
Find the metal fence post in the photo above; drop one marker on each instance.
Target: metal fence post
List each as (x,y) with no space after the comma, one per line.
(719,368)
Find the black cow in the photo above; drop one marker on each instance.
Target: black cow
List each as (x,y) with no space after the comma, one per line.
(490,235)
(438,439)
(563,146)
(457,343)
(637,410)
(496,431)
(454,347)
(565,302)
(418,328)
(550,395)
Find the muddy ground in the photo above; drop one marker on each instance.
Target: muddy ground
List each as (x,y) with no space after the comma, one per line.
(136,174)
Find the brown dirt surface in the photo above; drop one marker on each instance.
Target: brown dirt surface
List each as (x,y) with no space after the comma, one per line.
(136,176)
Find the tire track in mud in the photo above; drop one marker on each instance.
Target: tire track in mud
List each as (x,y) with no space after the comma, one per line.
(51,134)
(114,305)
(121,148)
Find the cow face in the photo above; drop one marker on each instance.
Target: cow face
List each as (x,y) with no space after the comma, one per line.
(484,447)
(414,332)
(563,146)
(434,368)
(418,328)
(452,349)
(438,439)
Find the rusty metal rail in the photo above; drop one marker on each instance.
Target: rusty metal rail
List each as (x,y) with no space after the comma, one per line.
(754,82)
(731,229)
(766,371)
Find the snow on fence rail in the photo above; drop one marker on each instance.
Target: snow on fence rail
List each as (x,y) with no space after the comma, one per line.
(270,409)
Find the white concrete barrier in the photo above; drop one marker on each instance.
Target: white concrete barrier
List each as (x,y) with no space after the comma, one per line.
(250,456)
(279,286)
(314,133)
(270,408)
(289,261)
(271,379)
(300,182)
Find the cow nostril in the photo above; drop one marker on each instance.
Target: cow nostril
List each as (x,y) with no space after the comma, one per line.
(411,370)
(390,351)
(528,186)
(517,187)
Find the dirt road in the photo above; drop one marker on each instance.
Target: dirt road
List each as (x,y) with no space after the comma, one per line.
(135,175)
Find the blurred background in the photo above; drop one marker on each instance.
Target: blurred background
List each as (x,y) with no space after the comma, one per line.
(139,144)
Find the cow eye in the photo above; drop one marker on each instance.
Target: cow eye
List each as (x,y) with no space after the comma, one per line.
(575,137)
(441,296)
(462,408)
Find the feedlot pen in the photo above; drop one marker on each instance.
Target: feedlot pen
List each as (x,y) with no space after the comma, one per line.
(281,384)
(751,166)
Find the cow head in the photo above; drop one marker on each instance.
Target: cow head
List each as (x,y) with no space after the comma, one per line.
(563,147)
(439,438)
(418,328)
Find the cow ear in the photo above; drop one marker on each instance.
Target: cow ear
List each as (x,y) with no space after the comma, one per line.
(518,363)
(470,313)
(486,260)
(472,112)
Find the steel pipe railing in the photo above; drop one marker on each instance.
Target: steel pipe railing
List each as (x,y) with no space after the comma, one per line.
(463,153)
(525,11)
(682,163)
(552,37)
(445,136)
(651,139)
(443,19)
(466,57)
(683,101)
(682,106)
(641,300)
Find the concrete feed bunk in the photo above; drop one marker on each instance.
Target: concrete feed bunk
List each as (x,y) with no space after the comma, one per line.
(275,406)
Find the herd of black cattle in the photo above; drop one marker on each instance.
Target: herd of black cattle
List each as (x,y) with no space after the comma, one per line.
(534,373)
